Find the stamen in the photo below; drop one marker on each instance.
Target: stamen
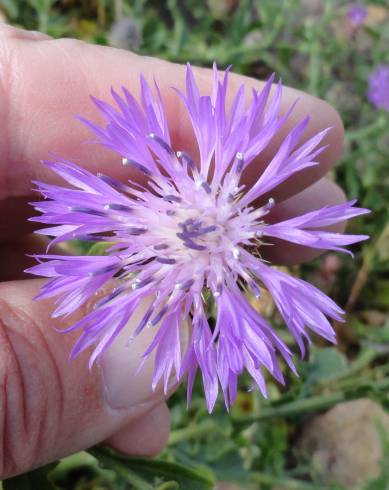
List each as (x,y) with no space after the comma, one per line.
(270,204)
(183,156)
(115,293)
(218,290)
(172,198)
(236,253)
(131,230)
(161,246)
(81,209)
(194,246)
(165,260)
(161,143)
(126,162)
(117,207)
(140,283)
(116,184)
(255,289)
(159,316)
(144,321)
(239,156)
(185,235)
(206,187)
(185,285)
(208,229)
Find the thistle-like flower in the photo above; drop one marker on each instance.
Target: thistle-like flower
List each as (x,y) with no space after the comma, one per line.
(356,15)
(378,93)
(190,232)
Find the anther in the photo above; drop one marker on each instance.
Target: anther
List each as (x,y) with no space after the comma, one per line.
(115,293)
(206,187)
(255,289)
(126,162)
(81,209)
(270,204)
(183,156)
(165,260)
(135,231)
(172,198)
(161,246)
(194,246)
(159,316)
(161,143)
(236,253)
(116,184)
(240,158)
(185,285)
(117,207)
(140,283)
(218,290)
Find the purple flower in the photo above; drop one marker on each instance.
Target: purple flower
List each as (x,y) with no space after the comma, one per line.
(356,15)
(189,232)
(378,93)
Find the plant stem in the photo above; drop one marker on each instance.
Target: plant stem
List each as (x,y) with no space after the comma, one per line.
(120,469)
(361,133)
(364,359)
(284,482)
(180,435)
(311,404)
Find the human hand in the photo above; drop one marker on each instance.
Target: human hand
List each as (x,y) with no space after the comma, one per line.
(52,407)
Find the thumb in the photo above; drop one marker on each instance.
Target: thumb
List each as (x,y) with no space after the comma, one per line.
(51,407)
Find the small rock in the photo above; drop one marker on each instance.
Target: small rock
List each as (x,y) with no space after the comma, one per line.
(344,444)
(125,34)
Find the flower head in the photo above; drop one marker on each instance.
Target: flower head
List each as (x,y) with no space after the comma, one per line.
(191,231)
(378,93)
(356,15)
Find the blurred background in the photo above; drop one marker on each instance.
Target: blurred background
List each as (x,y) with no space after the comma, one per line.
(328,429)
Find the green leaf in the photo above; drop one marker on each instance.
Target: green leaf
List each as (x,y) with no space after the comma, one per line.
(99,248)
(324,364)
(148,474)
(34,480)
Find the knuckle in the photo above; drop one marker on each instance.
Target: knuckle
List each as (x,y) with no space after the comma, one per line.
(27,394)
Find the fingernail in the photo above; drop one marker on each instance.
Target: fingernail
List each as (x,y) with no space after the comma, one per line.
(123,385)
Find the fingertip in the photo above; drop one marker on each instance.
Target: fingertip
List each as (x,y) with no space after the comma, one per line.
(145,436)
(13,32)
(322,193)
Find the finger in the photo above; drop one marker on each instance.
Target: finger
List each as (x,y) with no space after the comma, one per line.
(16,256)
(322,193)
(39,115)
(52,407)
(13,32)
(146,436)
(20,210)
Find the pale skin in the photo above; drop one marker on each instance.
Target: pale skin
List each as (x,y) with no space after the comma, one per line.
(49,407)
